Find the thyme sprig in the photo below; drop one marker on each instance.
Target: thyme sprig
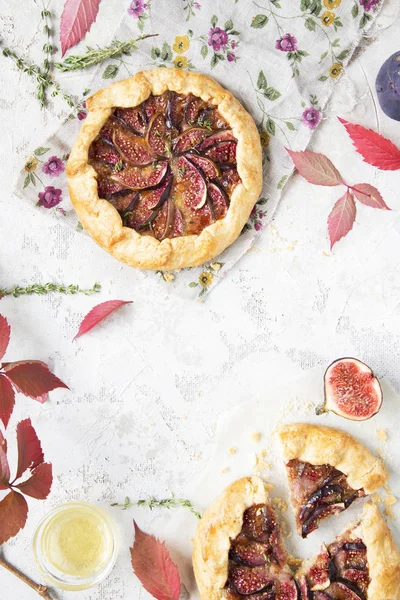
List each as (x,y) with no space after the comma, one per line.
(95,56)
(48,49)
(48,288)
(164,503)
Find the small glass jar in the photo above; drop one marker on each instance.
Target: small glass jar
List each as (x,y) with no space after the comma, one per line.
(75,546)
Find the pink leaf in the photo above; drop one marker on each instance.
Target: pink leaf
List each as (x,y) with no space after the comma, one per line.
(342,217)
(154,567)
(5,331)
(13,514)
(4,466)
(33,378)
(375,149)
(7,400)
(30,453)
(316,168)
(98,313)
(76,20)
(39,484)
(369,195)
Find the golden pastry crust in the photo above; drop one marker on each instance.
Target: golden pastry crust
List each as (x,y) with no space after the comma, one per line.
(101,219)
(319,445)
(221,523)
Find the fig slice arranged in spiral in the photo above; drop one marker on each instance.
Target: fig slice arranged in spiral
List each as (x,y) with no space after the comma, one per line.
(135,118)
(191,183)
(351,390)
(136,178)
(223,153)
(156,197)
(132,148)
(156,135)
(225,135)
(219,200)
(206,165)
(248,580)
(103,152)
(189,139)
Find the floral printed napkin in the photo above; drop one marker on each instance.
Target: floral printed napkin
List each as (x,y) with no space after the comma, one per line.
(280,58)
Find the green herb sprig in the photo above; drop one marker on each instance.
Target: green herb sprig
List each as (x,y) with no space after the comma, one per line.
(48,288)
(48,49)
(164,503)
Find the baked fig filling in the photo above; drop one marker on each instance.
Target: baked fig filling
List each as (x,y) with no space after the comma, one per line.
(318,491)
(340,572)
(168,166)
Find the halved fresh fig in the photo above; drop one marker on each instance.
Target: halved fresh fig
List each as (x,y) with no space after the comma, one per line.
(132,148)
(189,138)
(155,104)
(156,134)
(351,390)
(136,178)
(191,183)
(135,118)
(216,138)
(206,165)
(104,152)
(249,552)
(225,152)
(341,591)
(248,580)
(219,200)
(321,512)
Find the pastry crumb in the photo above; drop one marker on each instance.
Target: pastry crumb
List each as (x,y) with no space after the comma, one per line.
(376,498)
(256,436)
(261,464)
(232,450)
(198,455)
(280,504)
(382,435)
(224,470)
(169,277)
(390,500)
(390,514)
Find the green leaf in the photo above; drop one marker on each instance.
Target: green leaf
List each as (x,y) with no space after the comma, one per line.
(316,7)
(234,32)
(214,20)
(282,182)
(323,78)
(204,51)
(304,4)
(110,72)
(166,52)
(259,21)
(270,127)
(324,55)
(40,151)
(302,53)
(309,23)
(271,93)
(228,25)
(354,11)
(290,126)
(190,33)
(214,61)
(33,180)
(155,53)
(336,42)
(262,200)
(141,24)
(27,180)
(364,20)
(193,284)
(86,92)
(343,55)
(261,81)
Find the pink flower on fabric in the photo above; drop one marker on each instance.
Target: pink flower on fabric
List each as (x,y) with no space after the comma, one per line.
(53,166)
(50,197)
(217,38)
(231,57)
(287,43)
(258,226)
(311,117)
(137,8)
(369,5)
(81,115)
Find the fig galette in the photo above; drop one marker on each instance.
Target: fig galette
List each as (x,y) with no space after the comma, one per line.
(165,170)
(327,470)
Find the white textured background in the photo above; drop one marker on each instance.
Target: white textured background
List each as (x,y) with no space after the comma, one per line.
(148,386)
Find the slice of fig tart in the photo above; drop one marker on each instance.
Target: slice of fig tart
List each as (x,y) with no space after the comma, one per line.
(327,471)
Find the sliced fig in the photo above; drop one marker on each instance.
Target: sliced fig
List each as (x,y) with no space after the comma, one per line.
(156,197)
(156,134)
(206,165)
(192,109)
(155,104)
(175,110)
(318,573)
(141,216)
(219,200)
(210,118)
(124,202)
(344,558)
(321,512)
(286,590)
(304,590)
(342,591)
(351,390)
(135,118)
(191,183)
(358,577)
(197,220)
(217,138)
(132,148)
(163,222)
(229,178)
(106,132)
(136,178)
(258,522)
(321,596)
(189,139)
(178,225)
(249,552)
(225,152)
(248,580)
(105,185)
(103,152)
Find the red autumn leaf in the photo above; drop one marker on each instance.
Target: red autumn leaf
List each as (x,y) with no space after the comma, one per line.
(316,168)
(76,20)
(368,194)
(39,483)
(30,453)
(5,331)
(154,567)
(33,378)
(98,313)
(13,515)
(342,217)
(375,149)
(7,400)
(4,466)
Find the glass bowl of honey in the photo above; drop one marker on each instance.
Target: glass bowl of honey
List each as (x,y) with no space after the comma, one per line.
(75,546)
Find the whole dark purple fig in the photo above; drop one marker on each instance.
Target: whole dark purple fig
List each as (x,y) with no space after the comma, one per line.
(388,86)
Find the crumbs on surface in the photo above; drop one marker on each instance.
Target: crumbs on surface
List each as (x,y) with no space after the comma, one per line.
(382,435)
(261,464)
(280,504)
(376,498)
(169,277)
(233,450)
(256,436)
(389,513)
(390,500)
(224,470)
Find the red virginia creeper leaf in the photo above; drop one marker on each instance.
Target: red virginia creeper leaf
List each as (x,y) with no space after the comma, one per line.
(30,453)
(342,217)
(316,168)
(13,514)
(33,378)
(76,20)
(154,567)
(7,400)
(39,484)
(5,331)
(375,149)
(369,195)
(98,313)
(4,469)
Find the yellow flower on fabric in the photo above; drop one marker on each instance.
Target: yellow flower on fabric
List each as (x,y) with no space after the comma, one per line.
(206,278)
(335,70)
(181,44)
(327,18)
(265,139)
(31,164)
(332,3)
(180,62)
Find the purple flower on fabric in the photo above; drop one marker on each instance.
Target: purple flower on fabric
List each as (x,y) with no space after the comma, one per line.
(258,225)
(253,212)
(217,38)
(197,5)
(231,57)
(50,197)
(311,117)
(84,104)
(136,8)
(53,166)
(369,5)
(81,115)
(233,45)
(287,43)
